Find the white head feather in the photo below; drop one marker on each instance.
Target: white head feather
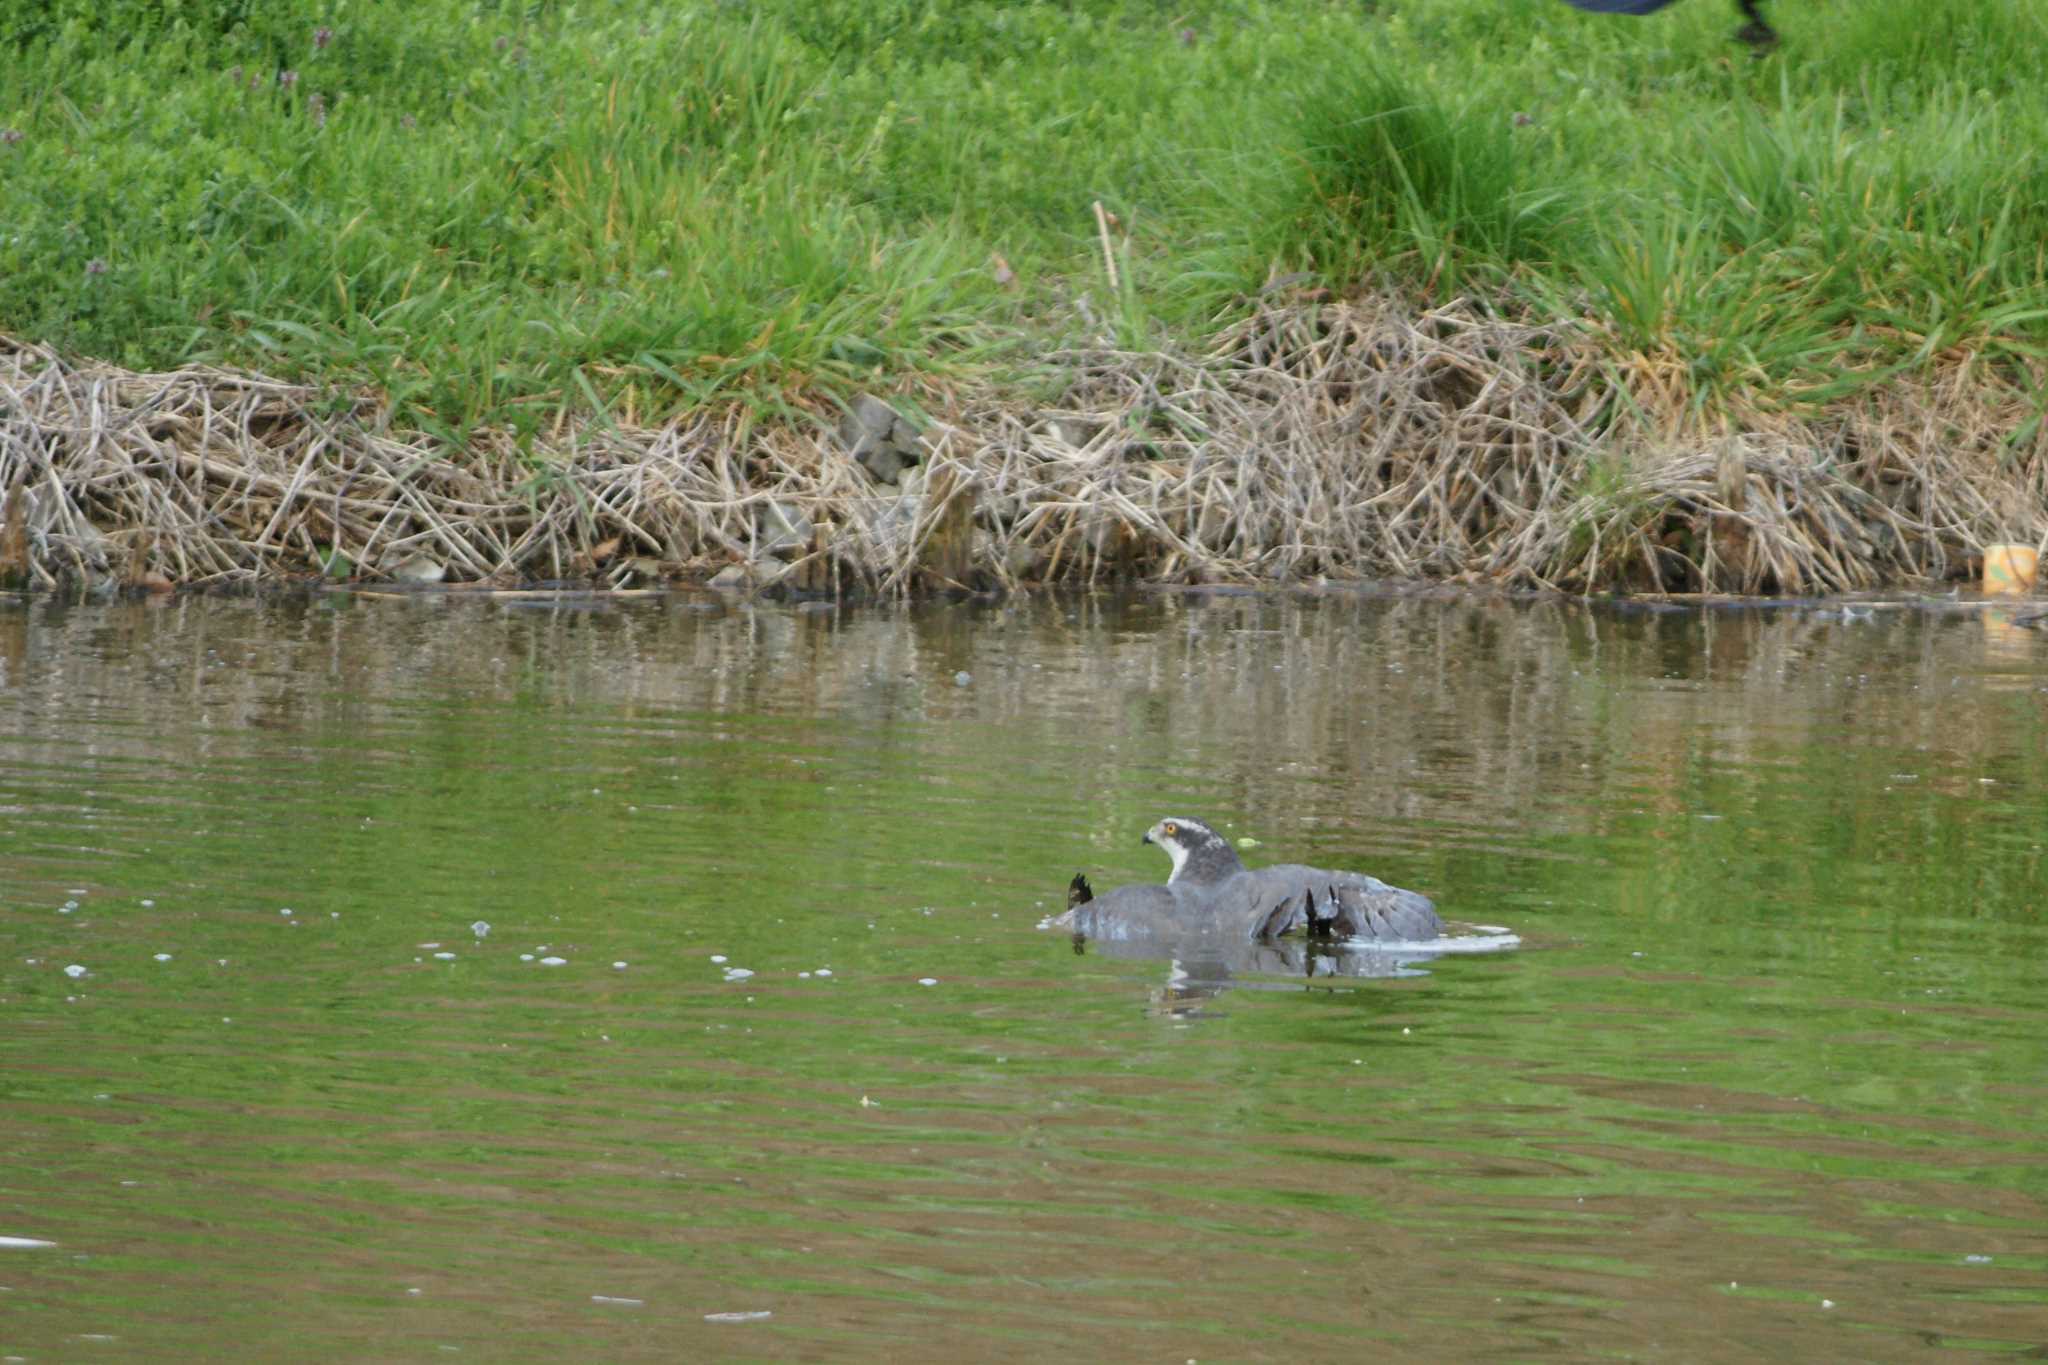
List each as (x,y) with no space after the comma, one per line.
(1173,834)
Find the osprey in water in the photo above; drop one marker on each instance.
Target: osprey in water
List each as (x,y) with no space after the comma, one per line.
(1757,32)
(1212,893)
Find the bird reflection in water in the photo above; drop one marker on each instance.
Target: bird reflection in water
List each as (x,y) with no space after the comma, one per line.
(1200,967)
(1203,968)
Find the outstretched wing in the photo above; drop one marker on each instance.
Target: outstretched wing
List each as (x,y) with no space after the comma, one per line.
(1338,904)
(1125,913)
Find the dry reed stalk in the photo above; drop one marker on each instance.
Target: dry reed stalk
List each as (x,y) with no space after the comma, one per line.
(1345,440)
(1108,253)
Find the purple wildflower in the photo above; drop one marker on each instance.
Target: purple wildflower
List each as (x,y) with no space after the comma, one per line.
(96,266)
(287,78)
(316,107)
(10,136)
(322,36)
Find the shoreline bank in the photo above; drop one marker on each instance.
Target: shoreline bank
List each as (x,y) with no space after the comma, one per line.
(1310,440)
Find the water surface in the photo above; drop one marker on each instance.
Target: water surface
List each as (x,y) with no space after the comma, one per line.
(1768,1074)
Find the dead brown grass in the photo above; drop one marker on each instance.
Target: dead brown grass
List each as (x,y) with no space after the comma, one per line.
(1348,440)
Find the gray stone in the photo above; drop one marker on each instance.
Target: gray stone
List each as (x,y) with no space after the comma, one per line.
(999,509)
(1024,561)
(1075,431)
(880,439)
(414,568)
(751,576)
(884,464)
(890,521)
(781,529)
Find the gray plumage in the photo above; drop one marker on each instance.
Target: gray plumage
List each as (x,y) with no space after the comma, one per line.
(1212,893)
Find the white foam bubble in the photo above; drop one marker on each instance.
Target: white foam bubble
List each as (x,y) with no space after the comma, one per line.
(1487,939)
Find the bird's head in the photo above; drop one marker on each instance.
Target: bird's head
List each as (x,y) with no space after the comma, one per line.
(1199,853)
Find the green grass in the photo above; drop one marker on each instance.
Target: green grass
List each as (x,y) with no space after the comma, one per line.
(509,210)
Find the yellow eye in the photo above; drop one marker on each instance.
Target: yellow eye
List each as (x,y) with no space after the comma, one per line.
(1170,827)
